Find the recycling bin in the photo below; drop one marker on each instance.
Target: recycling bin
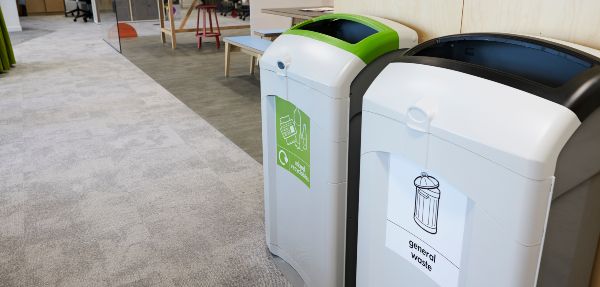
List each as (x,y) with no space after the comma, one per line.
(306,77)
(480,165)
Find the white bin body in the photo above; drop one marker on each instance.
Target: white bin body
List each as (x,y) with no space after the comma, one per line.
(305,223)
(493,149)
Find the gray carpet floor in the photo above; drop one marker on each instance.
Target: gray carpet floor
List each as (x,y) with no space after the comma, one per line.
(196,77)
(31,30)
(106,179)
(27,34)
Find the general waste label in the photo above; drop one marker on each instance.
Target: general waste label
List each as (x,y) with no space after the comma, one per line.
(293,139)
(426,221)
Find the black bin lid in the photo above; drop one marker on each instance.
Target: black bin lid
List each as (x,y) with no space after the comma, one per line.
(555,72)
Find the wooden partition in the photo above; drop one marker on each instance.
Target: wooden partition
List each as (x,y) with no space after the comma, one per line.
(45,6)
(575,21)
(430,18)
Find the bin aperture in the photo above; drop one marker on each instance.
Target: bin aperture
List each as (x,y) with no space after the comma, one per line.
(550,70)
(531,61)
(345,30)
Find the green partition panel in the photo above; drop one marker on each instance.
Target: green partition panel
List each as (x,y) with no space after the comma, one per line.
(7,57)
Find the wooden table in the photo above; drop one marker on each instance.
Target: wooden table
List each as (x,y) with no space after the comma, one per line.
(255,47)
(270,34)
(296,14)
(172,30)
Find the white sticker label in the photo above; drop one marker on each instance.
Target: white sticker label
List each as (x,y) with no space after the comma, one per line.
(426,221)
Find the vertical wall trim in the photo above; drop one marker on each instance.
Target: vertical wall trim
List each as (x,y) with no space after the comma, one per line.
(462,16)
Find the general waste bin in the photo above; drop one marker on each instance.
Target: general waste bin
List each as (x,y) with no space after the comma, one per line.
(480,165)
(306,76)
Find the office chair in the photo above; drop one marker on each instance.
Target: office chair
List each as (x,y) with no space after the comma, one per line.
(228,6)
(78,12)
(244,9)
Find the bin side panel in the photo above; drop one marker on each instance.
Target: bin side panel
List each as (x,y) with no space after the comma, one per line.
(329,131)
(273,85)
(572,237)
(518,204)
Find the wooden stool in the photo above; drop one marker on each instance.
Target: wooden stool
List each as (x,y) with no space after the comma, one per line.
(210,10)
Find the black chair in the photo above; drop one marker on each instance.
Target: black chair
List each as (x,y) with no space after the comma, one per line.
(228,6)
(244,10)
(79,12)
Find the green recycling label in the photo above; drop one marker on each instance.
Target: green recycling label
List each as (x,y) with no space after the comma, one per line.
(293,139)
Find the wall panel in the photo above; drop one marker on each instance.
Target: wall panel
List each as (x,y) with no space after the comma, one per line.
(35,6)
(575,21)
(430,18)
(11,15)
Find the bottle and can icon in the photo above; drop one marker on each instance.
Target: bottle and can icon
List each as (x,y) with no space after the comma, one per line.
(427,202)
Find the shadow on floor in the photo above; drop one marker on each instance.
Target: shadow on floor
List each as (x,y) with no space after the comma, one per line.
(27,34)
(196,77)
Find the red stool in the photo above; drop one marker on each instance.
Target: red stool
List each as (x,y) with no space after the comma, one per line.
(210,10)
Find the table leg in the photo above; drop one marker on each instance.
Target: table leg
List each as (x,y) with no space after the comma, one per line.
(172,24)
(258,61)
(252,65)
(296,21)
(161,16)
(227,58)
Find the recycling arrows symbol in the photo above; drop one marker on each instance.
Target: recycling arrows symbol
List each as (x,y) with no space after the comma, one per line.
(283,158)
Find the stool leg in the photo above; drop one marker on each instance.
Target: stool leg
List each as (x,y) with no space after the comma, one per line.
(204,20)
(218,30)
(218,42)
(210,21)
(198,40)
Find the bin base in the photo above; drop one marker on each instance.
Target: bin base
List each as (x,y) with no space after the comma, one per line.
(289,272)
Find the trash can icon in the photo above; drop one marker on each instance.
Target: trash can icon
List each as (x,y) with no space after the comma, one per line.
(427,202)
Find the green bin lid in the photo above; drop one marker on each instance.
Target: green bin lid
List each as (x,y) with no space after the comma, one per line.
(362,36)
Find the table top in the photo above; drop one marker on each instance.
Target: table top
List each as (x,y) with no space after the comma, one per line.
(269,32)
(255,44)
(294,12)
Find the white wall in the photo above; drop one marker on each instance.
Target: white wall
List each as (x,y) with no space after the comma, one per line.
(259,20)
(11,15)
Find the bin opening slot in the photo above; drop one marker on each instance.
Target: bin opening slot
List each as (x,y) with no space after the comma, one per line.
(346,30)
(534,62)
